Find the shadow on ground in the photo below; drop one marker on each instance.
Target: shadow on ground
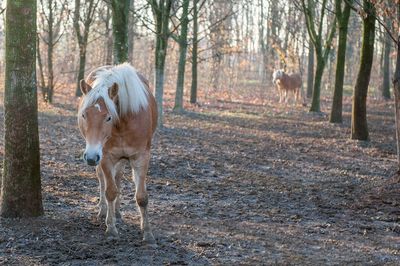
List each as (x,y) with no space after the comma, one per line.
(230,184)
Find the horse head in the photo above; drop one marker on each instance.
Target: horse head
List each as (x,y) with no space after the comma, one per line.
(95,122)
(277,75)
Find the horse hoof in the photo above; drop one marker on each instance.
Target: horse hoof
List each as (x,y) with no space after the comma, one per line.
(111,234)
(149,239)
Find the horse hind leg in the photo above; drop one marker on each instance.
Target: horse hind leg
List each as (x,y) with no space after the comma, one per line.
(140,167)
(286,96)
(299,94)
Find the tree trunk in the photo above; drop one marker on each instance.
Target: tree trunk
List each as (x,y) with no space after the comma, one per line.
(182,57)
(131,30)
(193,88)
(40,67)
(161,12)
(50,82)
(81,70)
(337,103)
(359,126)
(310,70)
(21,185)
(161,53)
(120,16)
(315,104)
(263,39)
(386,65)
(109,38)
(50,46)
(396,91)
(109,49)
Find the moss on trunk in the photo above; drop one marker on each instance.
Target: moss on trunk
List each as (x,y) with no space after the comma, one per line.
(359,126)
(21,185)
(120,16)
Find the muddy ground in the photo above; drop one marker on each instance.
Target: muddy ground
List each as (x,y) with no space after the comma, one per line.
(229,183)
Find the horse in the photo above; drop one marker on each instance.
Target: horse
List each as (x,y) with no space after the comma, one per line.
(117,117)
(287,83)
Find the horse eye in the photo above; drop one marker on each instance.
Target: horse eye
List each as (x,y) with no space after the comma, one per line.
(108,119)
(83,115)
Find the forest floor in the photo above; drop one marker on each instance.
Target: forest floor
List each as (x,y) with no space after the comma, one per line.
(229,183)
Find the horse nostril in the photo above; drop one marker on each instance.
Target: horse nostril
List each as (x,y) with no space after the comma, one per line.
(85,156)
(97,158)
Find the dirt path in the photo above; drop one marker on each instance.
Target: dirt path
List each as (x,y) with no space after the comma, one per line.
(229,184)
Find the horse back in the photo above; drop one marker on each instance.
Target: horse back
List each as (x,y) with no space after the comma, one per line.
(296,80)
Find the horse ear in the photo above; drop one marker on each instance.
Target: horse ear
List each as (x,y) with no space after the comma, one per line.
(113,91)
(85,88)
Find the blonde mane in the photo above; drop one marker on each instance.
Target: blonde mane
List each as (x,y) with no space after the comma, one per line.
(132,94)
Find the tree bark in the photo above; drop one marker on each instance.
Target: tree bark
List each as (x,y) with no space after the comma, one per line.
(315,103)
(396,91)
(310,70)
(182,56)
(193,88)
(161,53)
(343,21)
(161,11)
(120,29)
(109,36)
(131,30)
(359,126)
(386,65)
(42,84)
(81,69)
(21,185)
(50,46)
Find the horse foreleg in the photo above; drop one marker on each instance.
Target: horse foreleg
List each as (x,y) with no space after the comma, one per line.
(111,193)
(118,177)
(140,167)
(102,201)
(294,98)
(286,96)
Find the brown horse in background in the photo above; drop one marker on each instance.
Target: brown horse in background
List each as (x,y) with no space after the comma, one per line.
(117,117)
(287,84)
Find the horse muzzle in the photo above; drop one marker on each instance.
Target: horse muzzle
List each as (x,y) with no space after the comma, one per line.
(92,156)
(91,161)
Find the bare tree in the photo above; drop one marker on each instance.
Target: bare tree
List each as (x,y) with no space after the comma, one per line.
(83,18)
(52,14)
(322,44)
